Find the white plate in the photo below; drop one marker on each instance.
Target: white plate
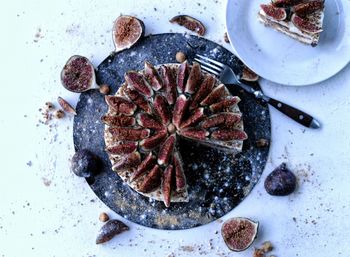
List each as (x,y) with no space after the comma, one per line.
(276,57)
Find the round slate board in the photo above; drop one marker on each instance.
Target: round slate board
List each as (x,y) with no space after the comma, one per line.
(217,181)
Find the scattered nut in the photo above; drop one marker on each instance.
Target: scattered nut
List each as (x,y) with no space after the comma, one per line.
(49,106)
(103,217)
(104,89)
(226,38)
(262,142)
(180,57)
(258,253)
(66,106)
(267,247)
(59,114)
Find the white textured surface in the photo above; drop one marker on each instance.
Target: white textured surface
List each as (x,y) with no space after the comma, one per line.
(47,211)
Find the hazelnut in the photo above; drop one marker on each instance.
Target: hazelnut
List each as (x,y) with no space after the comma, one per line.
(262,142)
(226,38)
(59,114)
(180,57)
(104,89)
(103,217)
(49,106)
(258,253)
(267,247)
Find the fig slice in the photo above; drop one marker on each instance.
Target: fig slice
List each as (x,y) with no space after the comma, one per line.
(152,180)
(152,76)
(224,104)
(136,80)
(194,118)
(194,79)
(180,110)
(161,107)
(153,141)
(205,88)
(138,99)
(285,3)
(189,23)
(78,74)
(167,184)
(305,25)
(166,150)
(195,133)
(129,134)
(239,233)
(215,95)
(110,229)
(304,9)
(144,166)
(182,75)
(249,75)
(128,161)
(180,178)
(121,105)
(122,148)
(66,106)
(228,134)
(127,31)
(276,13)
(226,119)
(169,84)
(118,121)
(148,121)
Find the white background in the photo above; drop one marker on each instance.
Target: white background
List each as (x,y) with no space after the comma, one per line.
(47,211)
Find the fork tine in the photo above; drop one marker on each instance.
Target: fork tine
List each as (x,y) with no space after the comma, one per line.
(211,61)
(208,64)
(210,70)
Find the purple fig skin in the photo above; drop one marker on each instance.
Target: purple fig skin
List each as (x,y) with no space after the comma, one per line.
(161,108)
(194,79)
(182,76)
(144,166)
(215,95)
(205,88)
(148,121)
(196,116)
(136,80)
(180,110)
(121,105)
(118,121)
(239,233)
(276,13)
(122,148)
(166,185)
(110,229)
(169,84)
(224,104)
(153,141)
(128,134)
(180,179)
(138,99)
(221,119)
(152,180)
(189,23)
(229,134)
(128,161)
(152,76)
(281,181)
(166,150)
(85,164)
(66,106)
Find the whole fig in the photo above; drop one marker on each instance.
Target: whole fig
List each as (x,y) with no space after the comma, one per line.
(85,164)
(281,181)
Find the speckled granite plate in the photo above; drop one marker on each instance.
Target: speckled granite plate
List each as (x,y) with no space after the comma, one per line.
(217,181)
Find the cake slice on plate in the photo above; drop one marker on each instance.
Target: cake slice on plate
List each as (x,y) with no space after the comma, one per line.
(301,20)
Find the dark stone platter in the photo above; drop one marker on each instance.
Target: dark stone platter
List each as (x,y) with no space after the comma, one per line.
(217,181)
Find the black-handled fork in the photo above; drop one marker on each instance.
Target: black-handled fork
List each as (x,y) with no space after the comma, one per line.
(227,76)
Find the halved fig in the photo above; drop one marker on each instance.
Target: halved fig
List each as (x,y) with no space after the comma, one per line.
(249,75)
(128,134)
(195,133)
(166,150)
(239,233)
(194,79)
(144,166)
(118,121)
(224,104)
(128,161)
(225,119)
(276,13)
(169,84)
(305,25)
(180,178)
(152,76)
(180,110)
(138,99)
(161,107)
(215,95)
(66,106)
(304,9)
(189,23)
(205,88)
(285,3)
(78,74)
(182,75)
(152,180)
(167,184)
(122,148)
(229,134)
(121,105)
(194,118)
(148,121)
(137,81)
(153,141)
(127,31)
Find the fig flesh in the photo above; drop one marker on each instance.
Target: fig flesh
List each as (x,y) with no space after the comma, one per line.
(239,233)
(304,9)
(144,166)
(305,25)
(152,180)
(249,75)
(285,3)
(167,184)
(127,31)
(276,13)
(281,181)
(189,23)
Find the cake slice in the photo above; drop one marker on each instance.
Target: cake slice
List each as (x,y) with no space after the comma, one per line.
(301,20)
